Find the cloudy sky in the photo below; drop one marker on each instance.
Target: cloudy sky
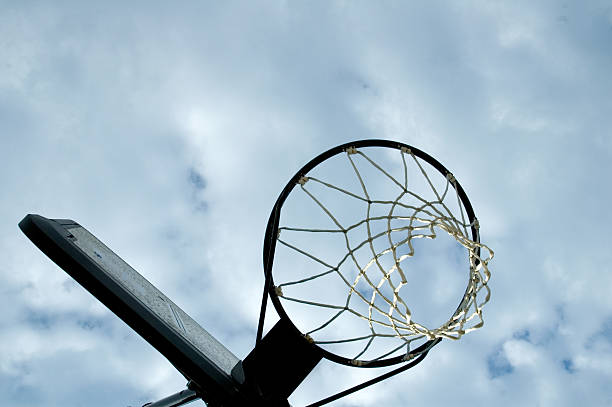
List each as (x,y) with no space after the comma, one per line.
(168,130)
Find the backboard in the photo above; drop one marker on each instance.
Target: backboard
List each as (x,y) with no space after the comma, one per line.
(189,347)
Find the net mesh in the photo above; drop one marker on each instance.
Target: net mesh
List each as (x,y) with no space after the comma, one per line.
(407,214)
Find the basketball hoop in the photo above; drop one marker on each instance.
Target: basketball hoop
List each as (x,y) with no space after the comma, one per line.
(340,247)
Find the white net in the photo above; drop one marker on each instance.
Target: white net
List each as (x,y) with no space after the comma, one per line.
(347,232)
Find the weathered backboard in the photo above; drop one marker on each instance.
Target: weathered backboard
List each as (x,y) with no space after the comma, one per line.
(188,346)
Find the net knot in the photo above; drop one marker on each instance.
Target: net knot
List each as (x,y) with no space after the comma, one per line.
(408,356)
(351,150)
(303,180)
(278,291)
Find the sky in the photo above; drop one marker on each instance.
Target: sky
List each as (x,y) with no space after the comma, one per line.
(168,130)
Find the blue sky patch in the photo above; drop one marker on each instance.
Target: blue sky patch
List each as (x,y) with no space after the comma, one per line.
(39,320)
(568,365)
(498,365)
(196,179)
(522,335)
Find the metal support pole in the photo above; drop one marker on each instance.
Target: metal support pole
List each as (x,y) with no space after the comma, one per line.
(175,400)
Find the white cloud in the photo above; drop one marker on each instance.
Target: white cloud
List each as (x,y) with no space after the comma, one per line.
(521,353)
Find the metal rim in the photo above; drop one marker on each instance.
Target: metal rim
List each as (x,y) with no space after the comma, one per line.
(272,232)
